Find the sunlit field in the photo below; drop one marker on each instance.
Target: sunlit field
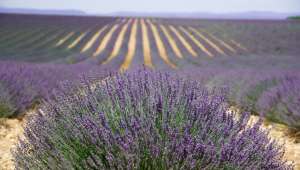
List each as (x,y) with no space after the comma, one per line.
(87,92)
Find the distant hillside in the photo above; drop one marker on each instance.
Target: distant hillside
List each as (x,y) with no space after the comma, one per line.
(243,15)
(41,12)
(205,15)
(294,17)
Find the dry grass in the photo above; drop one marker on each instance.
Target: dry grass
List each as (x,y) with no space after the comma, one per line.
(184,42)
(10,129)
(221,42)
(213,45)
(195,40)
(146,45)
(91,42)
(160,45)
(64,39)
(131,47)
(118,43)
(171,41)
(77,40)
(106,40)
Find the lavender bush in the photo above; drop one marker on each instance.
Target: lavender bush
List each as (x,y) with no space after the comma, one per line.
(143,120)
(6,106)
(271,93)
(282,103)
(25,84)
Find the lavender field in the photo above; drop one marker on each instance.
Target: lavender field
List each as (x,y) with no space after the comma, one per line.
(149,93)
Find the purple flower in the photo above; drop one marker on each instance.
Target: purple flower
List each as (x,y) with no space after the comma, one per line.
(25,84)
(173,124)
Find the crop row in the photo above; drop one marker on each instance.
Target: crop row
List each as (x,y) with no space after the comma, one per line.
(105,41)
(272,93)
(23,85)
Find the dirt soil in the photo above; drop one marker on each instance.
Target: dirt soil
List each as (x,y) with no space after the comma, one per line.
(10,129)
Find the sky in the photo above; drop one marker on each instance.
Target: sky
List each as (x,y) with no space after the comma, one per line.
(110,6)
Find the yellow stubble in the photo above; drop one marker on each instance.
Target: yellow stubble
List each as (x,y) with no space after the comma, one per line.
(221,42)
(91,42)
(64,39)
(239,45)
(160,45)
(171,41)
(184,42)
(77,40)
(213,45)
(105,41)
(198,43)
(146,45)
(131,47)
(118,44)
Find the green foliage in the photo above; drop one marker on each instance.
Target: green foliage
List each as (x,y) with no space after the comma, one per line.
(5,111)
(6,106)
(294,17)
(256,91)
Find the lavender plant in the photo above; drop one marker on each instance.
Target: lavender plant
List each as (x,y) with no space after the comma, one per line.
(256,84)
(26,83)
(6,106)
(272,93)
(282,103)
(143,120)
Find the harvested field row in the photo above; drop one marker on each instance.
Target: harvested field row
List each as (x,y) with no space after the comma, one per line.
(103,42)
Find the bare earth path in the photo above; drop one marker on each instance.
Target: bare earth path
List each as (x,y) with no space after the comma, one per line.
(10,129)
